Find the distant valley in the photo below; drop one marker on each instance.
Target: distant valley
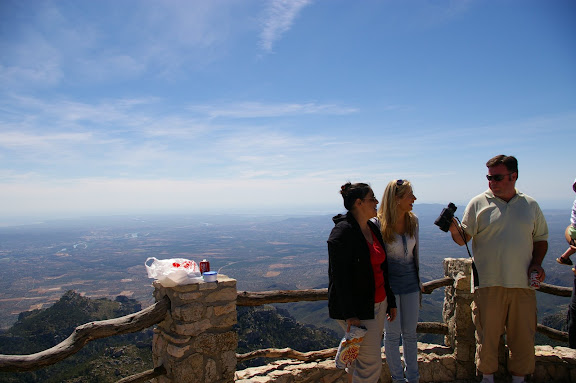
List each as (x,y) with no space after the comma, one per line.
(104,257)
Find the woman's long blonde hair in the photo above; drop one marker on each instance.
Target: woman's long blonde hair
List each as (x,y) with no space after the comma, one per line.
(388,210)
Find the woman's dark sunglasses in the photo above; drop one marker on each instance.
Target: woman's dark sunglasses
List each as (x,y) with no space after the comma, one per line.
(497,177)
(400,182)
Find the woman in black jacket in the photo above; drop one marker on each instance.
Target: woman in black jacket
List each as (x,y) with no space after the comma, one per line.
(358,290)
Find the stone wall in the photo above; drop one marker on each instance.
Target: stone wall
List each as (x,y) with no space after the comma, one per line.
(196,342)
(456,313)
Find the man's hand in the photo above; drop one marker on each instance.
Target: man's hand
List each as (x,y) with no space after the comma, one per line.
(538,253)
(539,269)
(456,230)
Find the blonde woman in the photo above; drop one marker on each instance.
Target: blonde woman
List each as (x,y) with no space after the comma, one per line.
(399,228)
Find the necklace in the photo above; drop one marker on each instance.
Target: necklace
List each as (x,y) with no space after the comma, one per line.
(405,243)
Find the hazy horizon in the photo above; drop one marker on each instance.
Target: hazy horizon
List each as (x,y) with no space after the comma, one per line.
(8,221)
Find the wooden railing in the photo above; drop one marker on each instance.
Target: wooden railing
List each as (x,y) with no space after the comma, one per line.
(157,312)
(551,333)
(84,334)
(285,296)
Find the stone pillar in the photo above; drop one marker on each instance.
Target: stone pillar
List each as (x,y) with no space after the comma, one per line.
(196,342)
(457,314)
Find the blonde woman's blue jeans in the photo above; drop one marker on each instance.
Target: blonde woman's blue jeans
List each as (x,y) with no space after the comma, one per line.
(404,326)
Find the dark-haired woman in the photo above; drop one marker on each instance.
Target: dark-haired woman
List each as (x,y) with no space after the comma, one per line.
(358,290)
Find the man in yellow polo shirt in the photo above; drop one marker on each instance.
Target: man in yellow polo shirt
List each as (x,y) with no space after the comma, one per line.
(509,240)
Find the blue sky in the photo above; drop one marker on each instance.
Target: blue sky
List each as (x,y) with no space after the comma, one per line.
(150,106)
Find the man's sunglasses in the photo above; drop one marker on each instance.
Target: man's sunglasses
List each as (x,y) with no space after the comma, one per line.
(497,177)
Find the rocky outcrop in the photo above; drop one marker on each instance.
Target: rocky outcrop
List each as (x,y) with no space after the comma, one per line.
(555,364)
(436,363)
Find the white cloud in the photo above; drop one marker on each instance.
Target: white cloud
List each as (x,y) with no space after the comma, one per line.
(31,61)
(47,42)
(257,109)
(278,19)
(457,7)
(112,66)
(120,137)
(35,141)
(62,114)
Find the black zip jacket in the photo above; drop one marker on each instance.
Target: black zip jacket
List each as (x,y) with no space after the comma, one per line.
(351,286)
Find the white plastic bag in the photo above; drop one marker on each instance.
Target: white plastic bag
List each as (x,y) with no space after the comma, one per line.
(173,272)
(349,347)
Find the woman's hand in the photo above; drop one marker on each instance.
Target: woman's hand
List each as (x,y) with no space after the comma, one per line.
(392,315)
(352,322)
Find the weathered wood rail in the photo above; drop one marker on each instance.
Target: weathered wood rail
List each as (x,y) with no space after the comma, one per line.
(144,376)
(555,290)
(258,298)
(84,334)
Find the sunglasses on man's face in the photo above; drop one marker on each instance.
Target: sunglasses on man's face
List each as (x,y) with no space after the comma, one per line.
(497,177)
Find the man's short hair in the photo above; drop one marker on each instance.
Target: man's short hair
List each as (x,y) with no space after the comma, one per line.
(510,162)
